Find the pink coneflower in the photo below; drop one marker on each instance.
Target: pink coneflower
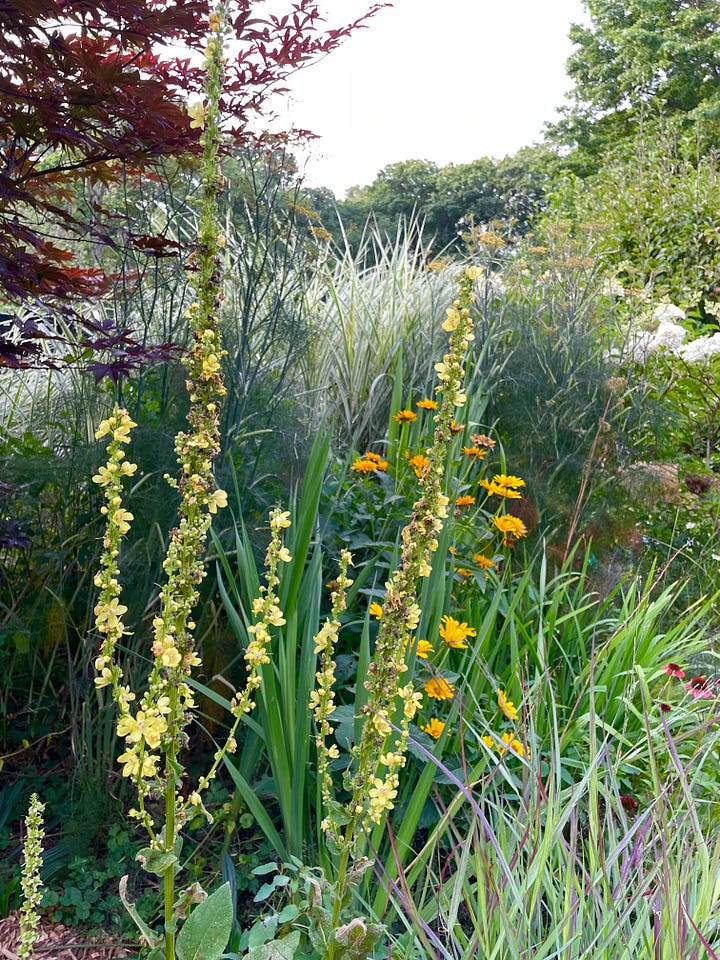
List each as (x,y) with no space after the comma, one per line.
(674,670)
(700,688)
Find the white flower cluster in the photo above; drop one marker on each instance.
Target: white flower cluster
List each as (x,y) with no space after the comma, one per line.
(669,335)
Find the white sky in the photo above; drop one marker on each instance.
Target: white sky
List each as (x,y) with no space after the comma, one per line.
(447,81)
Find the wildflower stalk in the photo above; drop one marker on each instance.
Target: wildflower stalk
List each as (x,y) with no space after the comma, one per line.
(379,754)
(31,883)
(156,729)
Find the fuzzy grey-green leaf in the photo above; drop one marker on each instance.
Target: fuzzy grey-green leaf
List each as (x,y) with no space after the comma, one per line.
(206,932)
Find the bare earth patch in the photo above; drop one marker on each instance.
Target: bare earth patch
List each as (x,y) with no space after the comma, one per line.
(58,942)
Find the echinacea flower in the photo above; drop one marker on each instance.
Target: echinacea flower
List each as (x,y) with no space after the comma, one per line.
(700,688)
(439,688)
(434,727)
(629,803)
(673,670)
(455,633)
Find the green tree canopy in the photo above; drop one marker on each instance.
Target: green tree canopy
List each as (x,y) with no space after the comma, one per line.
(446,199)
(641,59)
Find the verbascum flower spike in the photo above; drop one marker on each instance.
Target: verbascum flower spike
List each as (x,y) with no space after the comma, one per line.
(31,883)
(375,779)
(154,732)
(322,699)
(268,615)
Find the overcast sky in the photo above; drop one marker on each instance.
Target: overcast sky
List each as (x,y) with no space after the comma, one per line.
(448,81)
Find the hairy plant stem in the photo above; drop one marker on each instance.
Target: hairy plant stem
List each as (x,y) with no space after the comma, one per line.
(170,807)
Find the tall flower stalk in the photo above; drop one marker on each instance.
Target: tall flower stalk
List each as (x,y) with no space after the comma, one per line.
(392,703)
(154,728)
(31,883)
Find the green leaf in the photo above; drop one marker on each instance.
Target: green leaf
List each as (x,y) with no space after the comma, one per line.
(288,913)
(151,938)
(155,861)
(284,949)
(206,932)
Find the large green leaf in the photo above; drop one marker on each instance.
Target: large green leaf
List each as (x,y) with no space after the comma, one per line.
(206,932)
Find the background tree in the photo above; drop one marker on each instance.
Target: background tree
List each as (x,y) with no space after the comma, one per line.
(87,89)
(636,61)
(445,199)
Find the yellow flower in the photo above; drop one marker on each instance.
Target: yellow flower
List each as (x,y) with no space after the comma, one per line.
(130,761)
(104,476)
(474,272)
(510,742)
(494,489)
(376,610)
(217,499)
(512,528)
(105,678)
(508,480)
(485,563)
(451,321)
(121,518)
(405,416)
(434,727)
(423,649)
(107,616)
(427,404)
(382,794)
(439,689)
(368,464)
(284,555)
(482,440)
(455,633)
(465,501)
(488,741)
(475,452)
(196,112)
(413,701)
(507,706)
(419,463)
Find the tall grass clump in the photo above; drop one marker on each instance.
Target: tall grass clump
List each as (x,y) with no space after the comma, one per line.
(528,857)
(372,311)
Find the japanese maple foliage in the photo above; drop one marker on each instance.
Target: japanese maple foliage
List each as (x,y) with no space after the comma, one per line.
(88,86)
